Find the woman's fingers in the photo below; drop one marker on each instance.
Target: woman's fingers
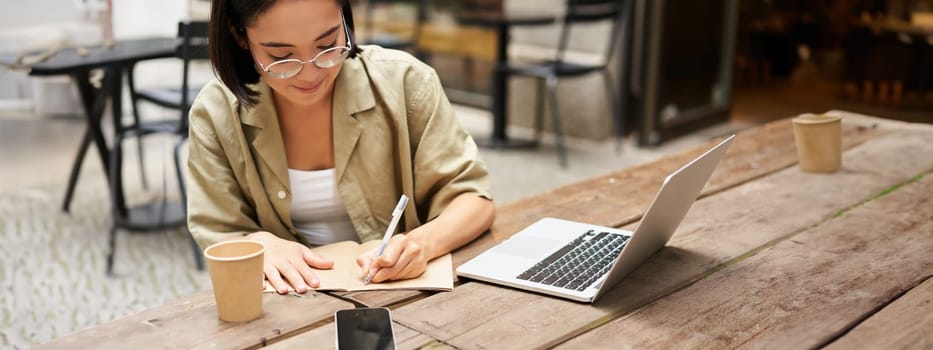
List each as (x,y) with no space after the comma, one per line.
(391,253)
(390,256)
(306,276)
(365,262)
(291,272)
(275,279)
(315,260)
(392,272)
(294,278)
(403,258)
(309,260)
(411,271)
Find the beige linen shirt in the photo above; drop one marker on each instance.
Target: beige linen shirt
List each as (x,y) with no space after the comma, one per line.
(394,133)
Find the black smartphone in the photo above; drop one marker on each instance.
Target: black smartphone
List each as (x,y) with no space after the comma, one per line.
(364,329)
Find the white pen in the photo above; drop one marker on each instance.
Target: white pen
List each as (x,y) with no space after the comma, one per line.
(396,215)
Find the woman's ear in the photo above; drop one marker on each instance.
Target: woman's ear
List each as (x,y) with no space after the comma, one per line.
(239,34)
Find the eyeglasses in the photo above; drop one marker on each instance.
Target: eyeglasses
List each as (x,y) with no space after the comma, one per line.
(331,57)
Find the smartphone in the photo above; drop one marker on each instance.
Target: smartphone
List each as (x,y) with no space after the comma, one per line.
(364,328)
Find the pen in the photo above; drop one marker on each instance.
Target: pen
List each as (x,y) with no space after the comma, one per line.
(396,214)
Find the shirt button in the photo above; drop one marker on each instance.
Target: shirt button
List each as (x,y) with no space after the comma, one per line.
(281,194)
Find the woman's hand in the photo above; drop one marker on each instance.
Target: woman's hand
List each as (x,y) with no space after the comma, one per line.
(288,264)
(407,255)
(402,258)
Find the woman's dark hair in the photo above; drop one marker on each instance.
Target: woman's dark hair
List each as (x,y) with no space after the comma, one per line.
(233,64)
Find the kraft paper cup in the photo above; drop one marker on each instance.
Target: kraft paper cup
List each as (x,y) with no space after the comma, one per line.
(819,142)
(236,275)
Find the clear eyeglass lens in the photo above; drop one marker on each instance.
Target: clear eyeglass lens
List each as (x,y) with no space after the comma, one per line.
(285,68)
(326,59)
(331,57)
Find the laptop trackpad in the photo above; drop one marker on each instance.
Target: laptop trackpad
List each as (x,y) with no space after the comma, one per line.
(527,247)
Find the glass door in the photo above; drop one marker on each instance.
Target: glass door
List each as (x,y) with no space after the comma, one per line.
(680,67)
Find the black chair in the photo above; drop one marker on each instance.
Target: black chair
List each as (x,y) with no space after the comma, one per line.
(550,71)
(392,40)
(159,216)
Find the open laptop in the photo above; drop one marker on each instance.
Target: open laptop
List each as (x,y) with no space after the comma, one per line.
(580,261)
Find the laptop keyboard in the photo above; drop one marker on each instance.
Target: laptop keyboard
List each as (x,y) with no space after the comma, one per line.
(579,263)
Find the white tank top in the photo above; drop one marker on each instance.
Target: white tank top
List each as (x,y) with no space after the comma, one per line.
(318,212)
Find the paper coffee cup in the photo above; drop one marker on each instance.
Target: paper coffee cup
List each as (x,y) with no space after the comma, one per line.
(819,142)
(236,275)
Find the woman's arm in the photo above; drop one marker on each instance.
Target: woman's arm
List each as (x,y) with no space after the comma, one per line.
(461,222)
(451,186)
(217,208)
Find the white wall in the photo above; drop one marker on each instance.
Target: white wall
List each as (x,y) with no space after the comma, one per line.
(44,24)
(36,25)
(15,14)
(146,18)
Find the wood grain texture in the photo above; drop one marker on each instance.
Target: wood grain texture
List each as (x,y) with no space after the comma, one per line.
(803,291)
(407,338)
(717,230)
(191,323)
(904,324)
(754,202)
(754,153)
(620,197)
(385,298)
(324,338)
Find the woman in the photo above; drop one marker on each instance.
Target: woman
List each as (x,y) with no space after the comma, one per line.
(308,139)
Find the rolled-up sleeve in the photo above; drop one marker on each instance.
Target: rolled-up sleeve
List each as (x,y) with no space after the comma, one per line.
(217,209)
(447,163)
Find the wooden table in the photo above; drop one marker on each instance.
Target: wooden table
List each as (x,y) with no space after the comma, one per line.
(768,256)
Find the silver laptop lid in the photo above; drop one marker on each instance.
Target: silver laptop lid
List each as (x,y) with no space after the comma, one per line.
(677,194)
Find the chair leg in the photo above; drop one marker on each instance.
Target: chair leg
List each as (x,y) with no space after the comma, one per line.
(117,199)
(76,170)
(136,120)
(540,95)
(142,162)
(111,248)
(555,116)
(176,153)
(618,120)
(117,212)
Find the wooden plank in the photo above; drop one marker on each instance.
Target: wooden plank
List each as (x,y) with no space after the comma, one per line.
(904,324)
(718,229)
(192,323)
(447,316)
(407,338)
(324,338)
(385,298)
(803,291)
(754,153)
